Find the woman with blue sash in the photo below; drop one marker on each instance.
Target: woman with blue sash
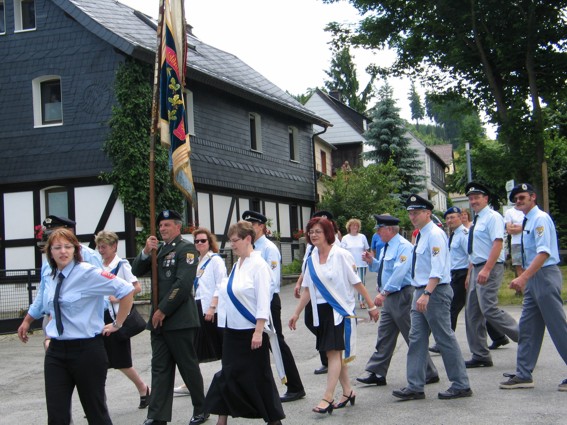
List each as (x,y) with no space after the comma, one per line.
(330,282)
(245,385)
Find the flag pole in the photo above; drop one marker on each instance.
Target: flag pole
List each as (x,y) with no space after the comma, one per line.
(153,137)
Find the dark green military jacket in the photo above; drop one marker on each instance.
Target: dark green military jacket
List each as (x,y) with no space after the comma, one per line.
(177,267)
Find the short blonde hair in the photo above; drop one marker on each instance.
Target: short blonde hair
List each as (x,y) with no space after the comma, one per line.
(351,222)
(106,237)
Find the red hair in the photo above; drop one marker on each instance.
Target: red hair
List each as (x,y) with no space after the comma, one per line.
(328,229)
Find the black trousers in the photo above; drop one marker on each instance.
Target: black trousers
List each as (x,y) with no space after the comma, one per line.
(458,278)
(313,330)
(80,363)
(294,383)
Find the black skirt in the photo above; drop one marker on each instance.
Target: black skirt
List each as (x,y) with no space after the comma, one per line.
(208,341)
(329,335)
(118,350)
(245,385)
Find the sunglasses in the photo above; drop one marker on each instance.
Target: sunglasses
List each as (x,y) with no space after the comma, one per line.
(201,241)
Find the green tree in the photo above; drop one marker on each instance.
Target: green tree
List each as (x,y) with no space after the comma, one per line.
(128,147)
(342,75)
(387,137)
(360,193)
(506,57)
(416,106)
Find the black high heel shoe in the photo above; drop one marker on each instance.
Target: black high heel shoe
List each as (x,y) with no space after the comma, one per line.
(328,409)
(145,399)
(349,398)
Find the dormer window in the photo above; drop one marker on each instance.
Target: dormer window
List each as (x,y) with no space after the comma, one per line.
(47,102)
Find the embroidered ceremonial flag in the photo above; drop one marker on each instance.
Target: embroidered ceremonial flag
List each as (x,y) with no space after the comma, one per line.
(173,125)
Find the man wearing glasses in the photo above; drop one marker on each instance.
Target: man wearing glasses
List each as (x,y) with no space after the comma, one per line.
(541,283)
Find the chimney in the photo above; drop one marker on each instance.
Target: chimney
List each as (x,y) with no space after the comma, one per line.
(336,94)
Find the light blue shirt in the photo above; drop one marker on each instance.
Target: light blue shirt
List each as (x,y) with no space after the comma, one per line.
(432,259)
(271,255)
(540,236)
(82,300)
(376,244)
(36,309)
(459,248)
(488,228)
(396,273)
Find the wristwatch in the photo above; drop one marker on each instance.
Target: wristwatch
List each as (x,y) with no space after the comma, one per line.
(116,325)
(426,292)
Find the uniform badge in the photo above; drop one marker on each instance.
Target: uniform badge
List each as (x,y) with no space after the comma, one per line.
(465,231)
(539,231)
(403,258)
(435,251)
(413,199)
(273,264)
(354,268)
(524,186)
(107,275)
(190,258)
(168,273)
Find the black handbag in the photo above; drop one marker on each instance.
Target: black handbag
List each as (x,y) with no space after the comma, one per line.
(134,323)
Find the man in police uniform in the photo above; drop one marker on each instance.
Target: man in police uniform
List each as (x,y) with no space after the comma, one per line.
(430,311)
(485,277)
(394,295)
(541,283)
(458,245)
(174,321)
(272,256)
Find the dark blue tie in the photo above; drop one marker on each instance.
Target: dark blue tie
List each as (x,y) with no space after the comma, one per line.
(451,240)
(522,242)
(57,306)
(381,267)
(471,236)
(414,256)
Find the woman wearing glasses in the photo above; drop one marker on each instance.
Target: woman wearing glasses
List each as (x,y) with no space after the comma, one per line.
(245,385)
(76,356)
(330,281)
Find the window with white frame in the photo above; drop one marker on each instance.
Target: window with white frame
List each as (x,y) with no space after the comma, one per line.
(56,202)
(47,102)
(255,132)
(293,143)
(24,15)
(2,18)
(189,112)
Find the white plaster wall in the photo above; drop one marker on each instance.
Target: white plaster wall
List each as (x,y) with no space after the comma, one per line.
(18,215)
(89,205)
(284,220)
(271,213)
(221,206)
(204,210)
(20,258)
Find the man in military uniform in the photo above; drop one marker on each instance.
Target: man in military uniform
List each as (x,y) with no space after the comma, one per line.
(174,321)
(541,283)
(394,296)
(485,277)
(272,256)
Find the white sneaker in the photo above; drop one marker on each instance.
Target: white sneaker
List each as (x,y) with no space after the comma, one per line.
(181,390)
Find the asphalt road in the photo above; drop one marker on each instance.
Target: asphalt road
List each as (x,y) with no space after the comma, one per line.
(23,400)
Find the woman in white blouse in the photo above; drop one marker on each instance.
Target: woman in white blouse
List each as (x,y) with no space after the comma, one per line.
(356,243)
(245,385)
(330,282)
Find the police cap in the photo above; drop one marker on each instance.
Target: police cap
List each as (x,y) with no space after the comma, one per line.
(475,187)
(383,220)
(452,210)
(53,221)
(519,188)
(324,214)
(168,215)
(416,202)
(254,217)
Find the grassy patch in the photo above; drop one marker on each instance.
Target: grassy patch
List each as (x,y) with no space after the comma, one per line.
(507,296)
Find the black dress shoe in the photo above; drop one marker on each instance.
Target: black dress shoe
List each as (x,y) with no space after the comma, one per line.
(472,363)
(499,343)
(372,379)
(432,380)
(434,349)
(406,394)
(199,419)
(154,422)
(321,371)
(455,393)
(292,396)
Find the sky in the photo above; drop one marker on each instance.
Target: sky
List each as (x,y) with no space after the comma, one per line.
(284,40)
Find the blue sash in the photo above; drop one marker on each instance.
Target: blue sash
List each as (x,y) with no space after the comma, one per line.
(196,281)
(348,317)
(239,306)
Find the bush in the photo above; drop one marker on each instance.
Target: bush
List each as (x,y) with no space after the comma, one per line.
(292,268)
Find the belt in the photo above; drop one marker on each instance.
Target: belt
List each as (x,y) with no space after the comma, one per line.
(81,342)
(484,262)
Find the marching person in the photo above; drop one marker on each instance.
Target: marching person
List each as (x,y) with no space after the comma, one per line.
(245,386)
(271,254)
(541,283)
(329,282)
(394,296)
(75,357)
(174,321)
(356,243)
(485,278)
(431,308)
(119,350)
